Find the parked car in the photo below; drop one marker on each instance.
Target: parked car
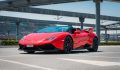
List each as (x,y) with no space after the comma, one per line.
(60,38)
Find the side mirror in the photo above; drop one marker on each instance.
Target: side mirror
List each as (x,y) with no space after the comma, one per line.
(77,32)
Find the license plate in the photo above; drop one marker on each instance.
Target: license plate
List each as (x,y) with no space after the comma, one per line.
(29,45)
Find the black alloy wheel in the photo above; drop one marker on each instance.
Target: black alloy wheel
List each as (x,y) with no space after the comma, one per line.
(94,46)
(68,44)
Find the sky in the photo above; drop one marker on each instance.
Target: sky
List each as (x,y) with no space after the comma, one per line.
(107,8)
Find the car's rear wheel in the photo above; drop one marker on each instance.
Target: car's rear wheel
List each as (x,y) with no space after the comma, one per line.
(94,46)
(30,52)
(68,44)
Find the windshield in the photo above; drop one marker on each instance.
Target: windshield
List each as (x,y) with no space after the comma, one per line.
(53,29)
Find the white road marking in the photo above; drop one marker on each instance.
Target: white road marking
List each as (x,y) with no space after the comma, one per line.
(93,62)
(28,65)
(97,56)
(111,46)
(102,57)
(109,52)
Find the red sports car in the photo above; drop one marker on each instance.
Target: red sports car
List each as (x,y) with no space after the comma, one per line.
(62,38)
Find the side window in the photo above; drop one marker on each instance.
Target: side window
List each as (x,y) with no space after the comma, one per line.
(70,30)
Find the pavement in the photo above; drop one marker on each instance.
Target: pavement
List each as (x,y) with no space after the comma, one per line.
(107,58)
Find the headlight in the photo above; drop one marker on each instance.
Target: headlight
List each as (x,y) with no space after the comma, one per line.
(51,38)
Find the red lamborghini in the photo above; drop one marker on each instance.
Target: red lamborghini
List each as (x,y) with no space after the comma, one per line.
(62,38)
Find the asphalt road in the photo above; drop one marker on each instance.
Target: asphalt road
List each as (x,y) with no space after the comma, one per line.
(107,58)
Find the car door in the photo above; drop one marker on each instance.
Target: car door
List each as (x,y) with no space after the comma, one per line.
(76,38)
(82,38)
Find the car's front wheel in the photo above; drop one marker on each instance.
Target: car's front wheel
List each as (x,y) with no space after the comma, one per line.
(94,46)
(68,44)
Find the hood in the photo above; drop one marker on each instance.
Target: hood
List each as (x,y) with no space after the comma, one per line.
(41,36)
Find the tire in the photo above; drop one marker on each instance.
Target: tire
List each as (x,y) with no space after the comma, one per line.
(30,52)
(94,46)
(68,44)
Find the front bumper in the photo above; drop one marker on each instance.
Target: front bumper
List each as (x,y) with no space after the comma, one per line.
(46,47)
